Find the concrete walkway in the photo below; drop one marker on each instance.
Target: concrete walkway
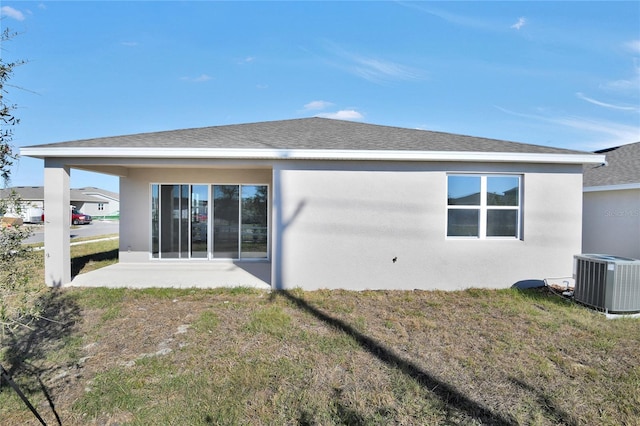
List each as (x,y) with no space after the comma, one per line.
(178,274)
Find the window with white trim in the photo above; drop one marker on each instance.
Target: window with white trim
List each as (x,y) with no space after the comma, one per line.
(484,206)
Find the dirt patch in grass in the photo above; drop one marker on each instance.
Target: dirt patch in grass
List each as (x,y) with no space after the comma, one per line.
(328,357)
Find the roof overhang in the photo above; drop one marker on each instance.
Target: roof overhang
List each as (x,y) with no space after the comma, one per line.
(618,187)
(310,154)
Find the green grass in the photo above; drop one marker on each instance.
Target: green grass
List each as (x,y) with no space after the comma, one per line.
(207,322)
(245,356)
(271,320)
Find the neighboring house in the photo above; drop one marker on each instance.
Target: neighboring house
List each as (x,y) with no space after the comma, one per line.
(319,203)
(611,218)
(95,201)
(92,201)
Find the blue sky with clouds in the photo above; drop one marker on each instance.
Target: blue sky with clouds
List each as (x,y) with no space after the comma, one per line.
(564,74)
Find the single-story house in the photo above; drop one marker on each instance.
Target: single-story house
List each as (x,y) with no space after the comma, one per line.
(96,201)
(611,219)
(90,200)
(318,203)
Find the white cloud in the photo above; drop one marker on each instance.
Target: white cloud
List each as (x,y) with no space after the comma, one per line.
(606,105)
(375,69)
(372,69)
(317,105)
(452,18)
(633,45)
(247,60)
(11,13)
(202,78)
(521,22)
(622,85)
(629,85)
(129,43)
(347,114)
(609,133)
(614,133)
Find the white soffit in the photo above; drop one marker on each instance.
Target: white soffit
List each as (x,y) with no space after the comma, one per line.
(311,154)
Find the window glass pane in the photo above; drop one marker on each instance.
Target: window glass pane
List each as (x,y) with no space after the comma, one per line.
(463,190)
(502,223)
(226,199)
(169,221)
(254,221)
(463,223)
(155,222)
(503,191)
(199,217)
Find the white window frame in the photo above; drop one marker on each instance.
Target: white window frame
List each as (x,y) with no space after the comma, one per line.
(483,208)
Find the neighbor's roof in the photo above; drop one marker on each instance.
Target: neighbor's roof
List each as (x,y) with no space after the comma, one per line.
(297,138)
(93,192)
(622,167)
(36,193)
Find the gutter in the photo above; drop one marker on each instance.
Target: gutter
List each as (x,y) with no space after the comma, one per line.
(311,154)
(618,187)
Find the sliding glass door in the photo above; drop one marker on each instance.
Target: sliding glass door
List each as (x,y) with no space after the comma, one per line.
(199,221)
(186,226)
(225,221)
(253,228)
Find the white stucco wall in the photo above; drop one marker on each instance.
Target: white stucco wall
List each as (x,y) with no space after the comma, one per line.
(108,207)
(341,224)
(611,223)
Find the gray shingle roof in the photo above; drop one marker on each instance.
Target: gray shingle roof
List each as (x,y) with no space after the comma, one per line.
(91,191)
(623,167)
(27,193)
(308,134)
(36,193)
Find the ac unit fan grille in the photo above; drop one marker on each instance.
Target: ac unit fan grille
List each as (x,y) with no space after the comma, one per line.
(590,274)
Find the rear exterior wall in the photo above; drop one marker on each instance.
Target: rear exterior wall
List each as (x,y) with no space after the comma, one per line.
(342,225)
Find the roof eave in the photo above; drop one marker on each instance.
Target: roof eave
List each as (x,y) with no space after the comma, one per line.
(311,154)
(613,187)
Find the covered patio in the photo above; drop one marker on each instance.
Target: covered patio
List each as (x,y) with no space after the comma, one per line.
(177,275)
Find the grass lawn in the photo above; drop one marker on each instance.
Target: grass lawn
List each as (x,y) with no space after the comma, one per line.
(243,356)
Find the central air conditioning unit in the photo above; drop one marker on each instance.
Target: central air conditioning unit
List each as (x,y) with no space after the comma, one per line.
(608,283)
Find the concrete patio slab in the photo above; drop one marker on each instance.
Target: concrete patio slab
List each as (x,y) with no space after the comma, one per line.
(178,275)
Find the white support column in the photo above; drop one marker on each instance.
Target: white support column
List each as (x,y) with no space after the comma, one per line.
(276,229)
(57,220)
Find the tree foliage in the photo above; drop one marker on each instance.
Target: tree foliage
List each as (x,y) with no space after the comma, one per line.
(7,118)
(17,296)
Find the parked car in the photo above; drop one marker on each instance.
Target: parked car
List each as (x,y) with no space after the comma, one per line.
(77,218)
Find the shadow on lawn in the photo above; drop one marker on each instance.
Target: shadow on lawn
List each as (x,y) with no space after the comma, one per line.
(448,394)
(548,295)
(77,263)
(28,349)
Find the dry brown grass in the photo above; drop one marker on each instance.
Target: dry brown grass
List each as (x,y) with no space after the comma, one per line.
(327,357)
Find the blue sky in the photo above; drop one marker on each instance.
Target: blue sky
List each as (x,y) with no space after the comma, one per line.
(563,74)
